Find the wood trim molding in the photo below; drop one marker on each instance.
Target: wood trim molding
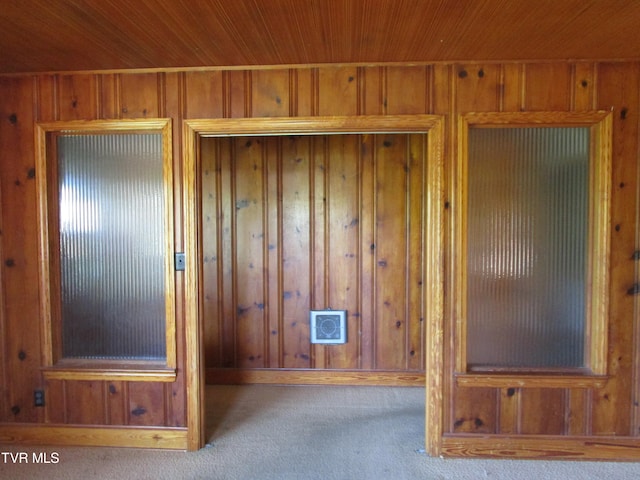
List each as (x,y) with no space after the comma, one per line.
(597,281)
(542,380)
(311,125)
(67,435)
(541,447)
(433,125)
(194,355)
(278,376)
(50,326)
(111,374)
(435,292)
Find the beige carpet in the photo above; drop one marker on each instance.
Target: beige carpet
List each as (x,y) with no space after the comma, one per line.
(272,432)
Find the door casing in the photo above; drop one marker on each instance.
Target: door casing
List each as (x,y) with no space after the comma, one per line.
(432,125)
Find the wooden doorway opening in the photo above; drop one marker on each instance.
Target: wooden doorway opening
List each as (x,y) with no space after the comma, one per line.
(431,294)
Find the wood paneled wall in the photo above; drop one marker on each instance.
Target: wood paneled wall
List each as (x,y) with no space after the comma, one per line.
(443,89)
(611,410)
(292,224)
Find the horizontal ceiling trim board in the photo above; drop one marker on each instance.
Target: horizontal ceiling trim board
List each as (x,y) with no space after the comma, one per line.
(299,66)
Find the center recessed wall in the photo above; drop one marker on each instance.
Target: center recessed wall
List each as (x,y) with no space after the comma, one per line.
(295,223)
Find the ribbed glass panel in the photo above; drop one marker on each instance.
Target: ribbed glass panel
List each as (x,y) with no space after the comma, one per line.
(112,249)
(527,240)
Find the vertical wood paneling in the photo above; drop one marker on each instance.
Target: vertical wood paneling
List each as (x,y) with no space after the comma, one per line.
(318,229)
(310,218)
(577,412)
(337,91)
(391,246)
(511,87)
(547,87)
(270,93)
(305,84)
(542,411)
(19,267)
(203,94)
(78,98)
(48,98)
(116,403)
(584,86)
(474,413)
(237,93)
(85,403)
(295,240)
(4,340)
(272,246)
(47,109)
(372,94)
(367,188)
(618,88)
(341,242)
(46,103)
(146,404)
(508,410)
(140,95)
(226,255)
(211,300)
(415,309)
(478,88)
(248,236)
(55,411)
(109,96)
(367,195)
(406,90)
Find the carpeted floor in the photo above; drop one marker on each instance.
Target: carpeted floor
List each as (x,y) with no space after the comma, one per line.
(264,432)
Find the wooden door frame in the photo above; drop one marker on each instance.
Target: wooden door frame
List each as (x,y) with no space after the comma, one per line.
(433,125)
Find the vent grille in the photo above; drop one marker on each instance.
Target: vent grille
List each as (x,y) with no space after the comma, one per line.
(328,326)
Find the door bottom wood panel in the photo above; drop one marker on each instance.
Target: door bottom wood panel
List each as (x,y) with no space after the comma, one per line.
(238,376)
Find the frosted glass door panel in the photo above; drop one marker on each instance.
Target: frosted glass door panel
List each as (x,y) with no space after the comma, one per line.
(528,191)
(112,246)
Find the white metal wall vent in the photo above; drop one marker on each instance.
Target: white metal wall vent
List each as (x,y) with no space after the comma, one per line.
(328,326)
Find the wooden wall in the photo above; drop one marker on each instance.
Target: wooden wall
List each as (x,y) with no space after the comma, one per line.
(442,89)
(608,411)
(297,223)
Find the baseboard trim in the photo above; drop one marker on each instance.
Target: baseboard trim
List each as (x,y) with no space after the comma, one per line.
(79,435)
(236,376)
(548,447)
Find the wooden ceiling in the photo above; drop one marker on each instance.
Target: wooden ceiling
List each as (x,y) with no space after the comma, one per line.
(75,35)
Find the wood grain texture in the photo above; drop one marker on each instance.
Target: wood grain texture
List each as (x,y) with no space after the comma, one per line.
(599,408)
(542,411)
(277,208)
(19,246)
(542,447)
(63,435)
(301,376)
(611,411)
(231,33)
